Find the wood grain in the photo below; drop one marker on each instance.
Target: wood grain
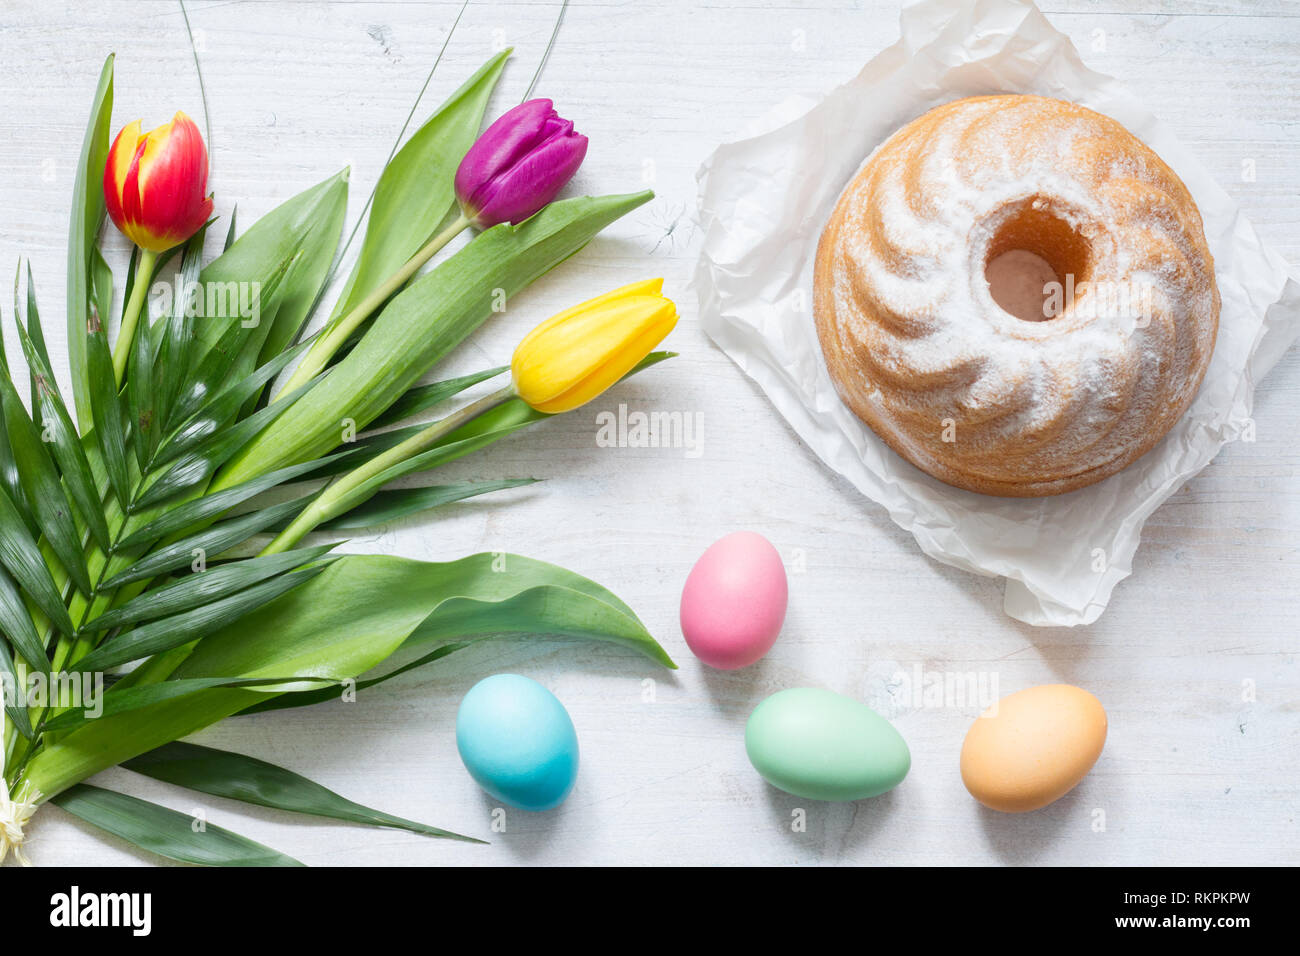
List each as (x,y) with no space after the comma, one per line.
(1196,660)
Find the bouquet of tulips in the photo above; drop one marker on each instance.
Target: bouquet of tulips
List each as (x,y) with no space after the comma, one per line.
(154,573)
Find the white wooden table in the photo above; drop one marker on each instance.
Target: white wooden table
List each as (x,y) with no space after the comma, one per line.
(1196,659)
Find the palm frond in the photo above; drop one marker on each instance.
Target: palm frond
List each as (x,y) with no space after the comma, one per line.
(60,434)
(43,485)
(110,412)
(165,832)
(238,777)
(177,629)
(213,540)
(195,590)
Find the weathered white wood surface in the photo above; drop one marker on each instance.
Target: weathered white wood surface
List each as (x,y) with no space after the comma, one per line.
(1195,771)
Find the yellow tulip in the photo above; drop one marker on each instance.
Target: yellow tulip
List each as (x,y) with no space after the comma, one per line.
(565,362)
(574,356)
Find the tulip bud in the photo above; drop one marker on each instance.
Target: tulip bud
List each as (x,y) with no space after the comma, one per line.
(155,185)
(573,357)
(518,165)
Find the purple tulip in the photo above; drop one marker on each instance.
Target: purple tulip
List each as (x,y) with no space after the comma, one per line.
(518,165)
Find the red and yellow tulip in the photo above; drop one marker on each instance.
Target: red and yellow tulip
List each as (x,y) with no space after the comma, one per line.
(156,184)
(156,193)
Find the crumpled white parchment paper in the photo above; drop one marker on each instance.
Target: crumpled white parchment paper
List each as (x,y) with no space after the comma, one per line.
(764,200)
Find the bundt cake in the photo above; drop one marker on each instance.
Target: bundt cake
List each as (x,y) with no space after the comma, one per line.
(1016,294)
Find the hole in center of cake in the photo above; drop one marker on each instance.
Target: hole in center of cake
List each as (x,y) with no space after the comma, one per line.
(1023,283)
(1035,262)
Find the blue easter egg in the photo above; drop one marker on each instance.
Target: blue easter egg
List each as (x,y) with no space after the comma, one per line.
(517,742)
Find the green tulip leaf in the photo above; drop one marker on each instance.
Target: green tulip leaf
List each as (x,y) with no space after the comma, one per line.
(415,194)
(303,231)
(331,627)
(422,324)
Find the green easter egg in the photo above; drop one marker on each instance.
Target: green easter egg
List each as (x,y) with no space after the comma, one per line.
(824,746)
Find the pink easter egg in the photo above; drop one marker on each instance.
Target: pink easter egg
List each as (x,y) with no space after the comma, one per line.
(733,604)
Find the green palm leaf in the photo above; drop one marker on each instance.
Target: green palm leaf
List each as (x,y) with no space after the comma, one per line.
(13,686)
(202,460)
(199,511)
(87,214)
(165,832)
(177,629)
(417,399)
(16,624)
(389,506)
(34,330)
(64,441)
(11,481)
(213,410)
(109,413)
(145,426)
(219,364)
(215,540)
(44,488)
(125,698)
(202,587)
(238,777)
(172,360)
(21,556)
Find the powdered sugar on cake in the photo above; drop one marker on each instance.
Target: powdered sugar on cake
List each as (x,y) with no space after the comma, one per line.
(969,392)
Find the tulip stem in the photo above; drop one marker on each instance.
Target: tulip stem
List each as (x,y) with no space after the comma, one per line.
(131,312)
(337,333)
(356,486)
